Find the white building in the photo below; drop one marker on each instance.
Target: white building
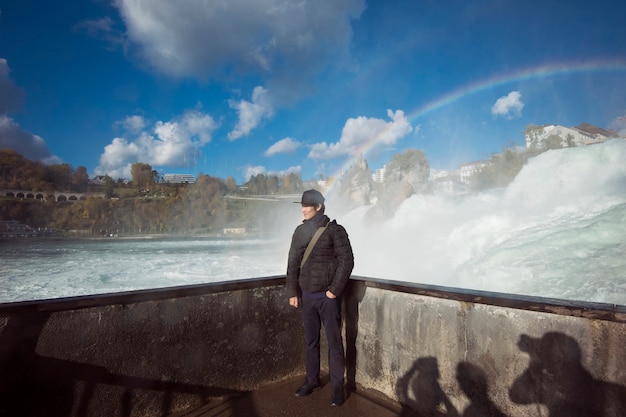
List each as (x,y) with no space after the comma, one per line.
(379,174)
(582,135)
(98,180)
(446,182)
(179,178)
(234,230)
(467,170)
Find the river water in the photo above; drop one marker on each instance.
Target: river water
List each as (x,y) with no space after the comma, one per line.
(558,231)
(39,269)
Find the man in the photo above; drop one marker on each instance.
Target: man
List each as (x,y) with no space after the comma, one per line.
(319,275)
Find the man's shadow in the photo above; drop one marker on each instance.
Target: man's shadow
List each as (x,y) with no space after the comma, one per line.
(473,382)
(556,378)
(420,394)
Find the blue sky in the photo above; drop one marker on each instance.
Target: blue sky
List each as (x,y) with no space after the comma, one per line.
(236,88)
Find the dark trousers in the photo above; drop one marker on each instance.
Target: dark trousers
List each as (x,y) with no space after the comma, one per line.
(326,311)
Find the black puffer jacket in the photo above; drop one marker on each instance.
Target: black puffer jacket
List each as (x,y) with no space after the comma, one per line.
(330,263)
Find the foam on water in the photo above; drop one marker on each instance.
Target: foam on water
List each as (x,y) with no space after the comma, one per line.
(50,269)
(559,230)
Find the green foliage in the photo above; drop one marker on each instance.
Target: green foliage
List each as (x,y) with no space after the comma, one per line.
(257,184)
(553,142)
(291,183)
(402,164)
(502,168)
(406,174)
(115,208)
(231,184)
(261,184)
(533,133)
(109,187)
(143,175)
(19,173)
(79,180)
(355,186)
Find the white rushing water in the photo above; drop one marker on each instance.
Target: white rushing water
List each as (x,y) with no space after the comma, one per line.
(40,269)
(559,231)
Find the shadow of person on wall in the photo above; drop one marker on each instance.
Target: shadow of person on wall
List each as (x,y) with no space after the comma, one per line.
(419,392)
(473,382)
(556,378)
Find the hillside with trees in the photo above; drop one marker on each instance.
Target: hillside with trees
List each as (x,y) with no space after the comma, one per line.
(144,205)
(148,205)
(19,173)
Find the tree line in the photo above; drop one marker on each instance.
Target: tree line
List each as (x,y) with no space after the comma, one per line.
(147,205)
(143,205)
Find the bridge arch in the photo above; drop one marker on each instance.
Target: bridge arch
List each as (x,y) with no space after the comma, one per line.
(43,196)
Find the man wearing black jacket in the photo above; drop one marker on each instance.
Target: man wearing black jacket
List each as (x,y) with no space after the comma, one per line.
(319,275)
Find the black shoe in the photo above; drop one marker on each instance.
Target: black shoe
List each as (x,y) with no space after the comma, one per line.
(338,396)
(307,388)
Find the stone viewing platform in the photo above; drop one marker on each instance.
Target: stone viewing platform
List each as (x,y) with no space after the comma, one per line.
(236,349)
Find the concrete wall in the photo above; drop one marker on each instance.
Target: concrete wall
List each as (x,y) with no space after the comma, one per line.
(465,353)
(438,351)
(145,353)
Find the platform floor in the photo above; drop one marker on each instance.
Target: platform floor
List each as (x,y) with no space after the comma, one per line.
(279,400)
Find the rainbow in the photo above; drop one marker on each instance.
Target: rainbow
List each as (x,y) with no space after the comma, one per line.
(542,71)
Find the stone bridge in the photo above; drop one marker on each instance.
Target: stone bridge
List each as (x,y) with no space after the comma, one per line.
(57,196)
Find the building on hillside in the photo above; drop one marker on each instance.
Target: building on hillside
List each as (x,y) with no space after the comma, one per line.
(597,132)
(379,174)
(551,135)
(234,230)
(469,169)
(436,174)
(179,178)
(454,182)
(98,180)
(447,182)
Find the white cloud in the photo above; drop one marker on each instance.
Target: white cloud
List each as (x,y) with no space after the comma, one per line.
(173,143)
(250,171)
(134,124)
(509,106)
(30,146)
(117,158)
(285,172)
(286,145)
(362,132)
(103,28)
(12,136)
(251,113)
(214,39)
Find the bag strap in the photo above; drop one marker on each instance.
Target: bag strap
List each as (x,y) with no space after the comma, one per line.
(312,243)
